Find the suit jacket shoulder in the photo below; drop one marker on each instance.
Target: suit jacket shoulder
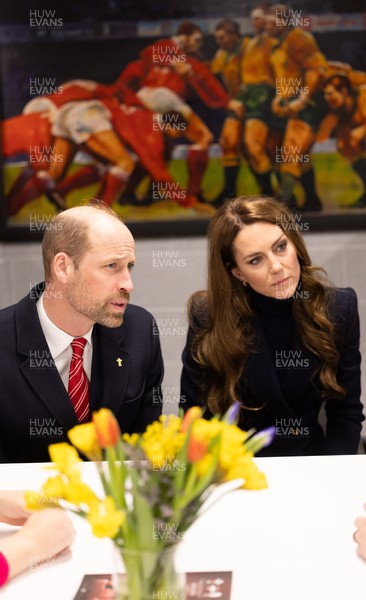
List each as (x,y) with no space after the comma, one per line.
(343,311)
(198,312)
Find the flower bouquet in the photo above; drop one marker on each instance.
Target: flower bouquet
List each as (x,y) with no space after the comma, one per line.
(154,484)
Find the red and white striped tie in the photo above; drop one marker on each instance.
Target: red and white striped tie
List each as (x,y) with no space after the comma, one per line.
(78,382)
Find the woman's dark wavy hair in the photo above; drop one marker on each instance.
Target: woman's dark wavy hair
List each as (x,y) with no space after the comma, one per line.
(224,338)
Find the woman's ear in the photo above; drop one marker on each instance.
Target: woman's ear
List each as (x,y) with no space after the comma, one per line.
(236,272)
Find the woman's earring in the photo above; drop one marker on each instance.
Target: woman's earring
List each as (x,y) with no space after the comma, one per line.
(245,283)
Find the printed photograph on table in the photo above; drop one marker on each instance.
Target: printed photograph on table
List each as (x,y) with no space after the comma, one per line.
(198,586)
(165,110)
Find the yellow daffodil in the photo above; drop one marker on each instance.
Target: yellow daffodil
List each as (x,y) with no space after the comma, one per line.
(132,439)
(106,428)
(246,469)
(84,438)
(49,496)
(163,440)
(79,493)
(104,518)
(33,499)
(55,487)
(256,480)
(229,437)
(66,459)
(204,464)
(231,446)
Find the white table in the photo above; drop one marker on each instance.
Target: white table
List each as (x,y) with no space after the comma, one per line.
(293,540)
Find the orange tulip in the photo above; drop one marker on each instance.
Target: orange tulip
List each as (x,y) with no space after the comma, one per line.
(196,450)
(106,428)
(193,413)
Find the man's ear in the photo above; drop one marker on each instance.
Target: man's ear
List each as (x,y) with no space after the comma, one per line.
(63,267)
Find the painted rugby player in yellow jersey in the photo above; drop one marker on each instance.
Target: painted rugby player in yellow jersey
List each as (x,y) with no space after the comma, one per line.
(226,65)
(299,69)
(250,66)
(258,91)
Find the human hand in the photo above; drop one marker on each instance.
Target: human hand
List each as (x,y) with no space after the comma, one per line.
(340,66)
(297,105)
(182,68)
(236,107)
(47,532)
(280,107)
(360,536)
(357,136)
(44,535)
(13,510)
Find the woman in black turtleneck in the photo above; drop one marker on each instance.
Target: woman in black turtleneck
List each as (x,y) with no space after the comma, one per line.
(271,332)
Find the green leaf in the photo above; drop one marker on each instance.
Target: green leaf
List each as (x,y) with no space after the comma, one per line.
(143,516)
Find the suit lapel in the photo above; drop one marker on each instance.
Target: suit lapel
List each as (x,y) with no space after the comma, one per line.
(38,367)
(110,369)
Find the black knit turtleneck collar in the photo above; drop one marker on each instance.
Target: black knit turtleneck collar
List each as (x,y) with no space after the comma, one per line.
(270,306)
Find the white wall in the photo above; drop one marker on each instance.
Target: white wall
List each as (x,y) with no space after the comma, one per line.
(168,270)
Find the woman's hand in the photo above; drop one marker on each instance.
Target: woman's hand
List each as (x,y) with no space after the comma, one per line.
(360,536)
(12,508)
(48,532)
(45,534)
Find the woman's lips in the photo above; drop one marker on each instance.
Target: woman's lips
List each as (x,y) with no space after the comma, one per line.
(281,281)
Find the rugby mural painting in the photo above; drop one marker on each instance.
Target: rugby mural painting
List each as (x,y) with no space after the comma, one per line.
(164,114)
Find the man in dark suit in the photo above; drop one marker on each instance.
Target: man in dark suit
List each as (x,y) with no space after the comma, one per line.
(88,254)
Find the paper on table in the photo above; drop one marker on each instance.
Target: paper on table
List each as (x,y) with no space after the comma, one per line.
(215,585)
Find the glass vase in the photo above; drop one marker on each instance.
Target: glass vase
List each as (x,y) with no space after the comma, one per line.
(147,575)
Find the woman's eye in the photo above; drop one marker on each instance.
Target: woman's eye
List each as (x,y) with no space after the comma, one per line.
(255,261)
(282,246)
(130,266)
